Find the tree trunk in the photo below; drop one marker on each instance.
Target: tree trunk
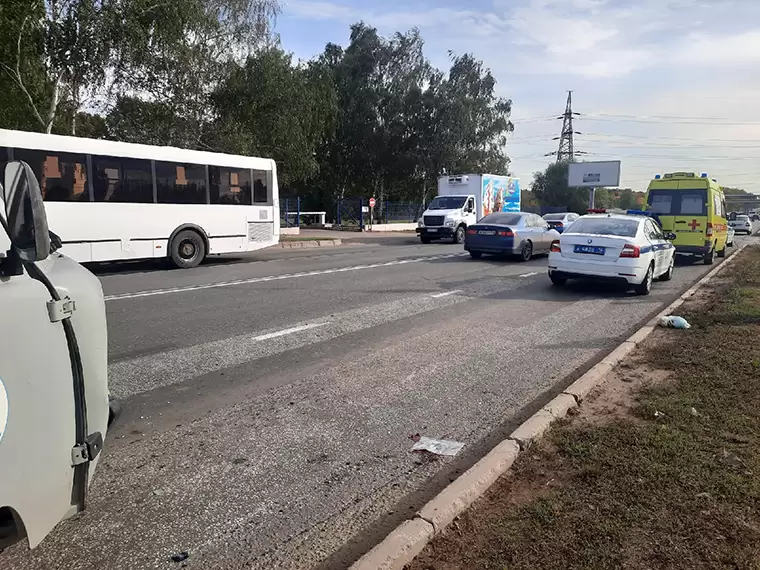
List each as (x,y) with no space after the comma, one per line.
(53,107)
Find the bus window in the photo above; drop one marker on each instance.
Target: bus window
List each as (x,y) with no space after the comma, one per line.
(260,192)
(62,176)
(122,180)
(230,185)
(180,183)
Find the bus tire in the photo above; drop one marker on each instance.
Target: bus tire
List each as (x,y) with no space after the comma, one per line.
(187,249)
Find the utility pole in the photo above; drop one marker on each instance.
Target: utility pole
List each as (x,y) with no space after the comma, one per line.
(565,152)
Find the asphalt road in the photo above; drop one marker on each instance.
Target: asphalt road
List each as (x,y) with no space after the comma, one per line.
(269,400)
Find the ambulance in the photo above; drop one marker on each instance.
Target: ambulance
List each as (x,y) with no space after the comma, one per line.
(693,207)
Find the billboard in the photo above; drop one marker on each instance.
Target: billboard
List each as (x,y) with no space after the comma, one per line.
(500,194)
(593,174)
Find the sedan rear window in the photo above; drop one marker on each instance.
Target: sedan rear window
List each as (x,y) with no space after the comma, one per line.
(554,217)
(743,218)
(501,219)
(604,227)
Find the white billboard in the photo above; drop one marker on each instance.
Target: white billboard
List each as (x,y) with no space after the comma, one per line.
(594,174)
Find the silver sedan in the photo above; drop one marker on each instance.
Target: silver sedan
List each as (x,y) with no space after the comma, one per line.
(521,234)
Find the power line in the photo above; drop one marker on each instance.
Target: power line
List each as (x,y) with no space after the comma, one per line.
(671,120)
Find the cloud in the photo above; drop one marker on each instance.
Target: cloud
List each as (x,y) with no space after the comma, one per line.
(645,74)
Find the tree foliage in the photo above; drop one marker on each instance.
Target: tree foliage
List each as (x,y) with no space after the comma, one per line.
(550,189)
(371,118)
(286,116)
(64,54)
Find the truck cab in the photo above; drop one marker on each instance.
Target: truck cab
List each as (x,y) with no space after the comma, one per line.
(54,400)
(447,217)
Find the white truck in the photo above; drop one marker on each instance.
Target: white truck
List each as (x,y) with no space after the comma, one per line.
(54,400)
(462,200)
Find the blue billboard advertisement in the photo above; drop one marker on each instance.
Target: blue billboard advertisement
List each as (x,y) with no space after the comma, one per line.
(500,194)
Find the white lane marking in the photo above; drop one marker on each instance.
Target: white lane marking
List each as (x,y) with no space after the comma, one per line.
(445,294)
(288,331)
(529,274)
(274,278)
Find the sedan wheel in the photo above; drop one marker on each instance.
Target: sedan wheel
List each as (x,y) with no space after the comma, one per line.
(668,275)
(527,251)
(645,286)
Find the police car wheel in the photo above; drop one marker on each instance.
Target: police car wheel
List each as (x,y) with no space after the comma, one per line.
(645,286)
(668,275)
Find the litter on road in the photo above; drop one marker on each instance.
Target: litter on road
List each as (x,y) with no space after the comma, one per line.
(437,446)
(675,322)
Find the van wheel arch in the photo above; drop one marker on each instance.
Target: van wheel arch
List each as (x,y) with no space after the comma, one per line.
(12,529)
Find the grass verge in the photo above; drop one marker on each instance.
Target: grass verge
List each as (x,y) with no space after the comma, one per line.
(661,470)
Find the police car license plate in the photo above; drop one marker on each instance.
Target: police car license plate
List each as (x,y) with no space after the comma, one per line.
(593,249)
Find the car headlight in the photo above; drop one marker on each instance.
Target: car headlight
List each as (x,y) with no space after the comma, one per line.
(450,223)
(420,223)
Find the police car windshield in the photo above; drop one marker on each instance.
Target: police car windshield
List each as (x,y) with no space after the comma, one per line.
(604,227)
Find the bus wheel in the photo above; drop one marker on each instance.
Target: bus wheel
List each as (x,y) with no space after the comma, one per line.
(187,249)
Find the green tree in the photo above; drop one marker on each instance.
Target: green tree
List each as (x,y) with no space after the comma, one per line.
(87,50)
(179,52)
(271,107)
(551,189)
(21,56)
(400,122)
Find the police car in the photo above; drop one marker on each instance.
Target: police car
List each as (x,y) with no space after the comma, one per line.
(628,247)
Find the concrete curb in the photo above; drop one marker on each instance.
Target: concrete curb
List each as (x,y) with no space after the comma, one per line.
(301,244)
(410,537)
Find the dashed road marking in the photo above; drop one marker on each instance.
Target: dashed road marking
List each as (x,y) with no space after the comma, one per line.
(529,274)
(289,331)
(276,277)
(445,294)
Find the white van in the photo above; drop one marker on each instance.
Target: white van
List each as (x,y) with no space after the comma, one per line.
(54,404)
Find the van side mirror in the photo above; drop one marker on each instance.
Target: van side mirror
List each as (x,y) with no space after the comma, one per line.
(25,212)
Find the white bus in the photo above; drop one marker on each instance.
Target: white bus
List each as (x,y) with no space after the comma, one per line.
(114,201)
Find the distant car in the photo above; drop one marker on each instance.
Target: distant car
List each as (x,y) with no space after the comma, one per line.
(629,249)
(730,236)
(520,233)
(741,224)
(560,221)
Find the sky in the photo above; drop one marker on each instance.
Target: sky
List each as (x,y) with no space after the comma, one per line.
(661,85)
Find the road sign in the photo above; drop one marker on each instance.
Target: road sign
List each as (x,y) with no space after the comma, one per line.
(371,202)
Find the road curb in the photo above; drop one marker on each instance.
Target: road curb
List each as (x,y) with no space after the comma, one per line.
(410,537)
(302,244)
